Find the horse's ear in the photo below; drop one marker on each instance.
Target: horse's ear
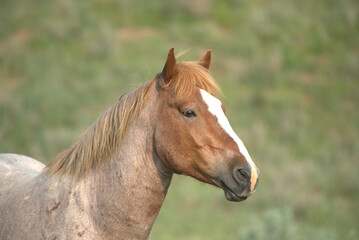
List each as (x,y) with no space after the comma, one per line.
(169,69)
(206,60)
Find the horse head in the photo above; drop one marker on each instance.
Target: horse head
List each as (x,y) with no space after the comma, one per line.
(193,136)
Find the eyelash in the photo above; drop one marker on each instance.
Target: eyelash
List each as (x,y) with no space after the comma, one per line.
(189,113)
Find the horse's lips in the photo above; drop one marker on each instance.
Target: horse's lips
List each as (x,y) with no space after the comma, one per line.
(230,195)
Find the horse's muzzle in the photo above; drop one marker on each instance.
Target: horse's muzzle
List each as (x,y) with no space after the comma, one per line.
(240,185)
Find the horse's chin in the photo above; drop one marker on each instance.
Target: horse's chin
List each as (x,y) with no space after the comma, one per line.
(230,195)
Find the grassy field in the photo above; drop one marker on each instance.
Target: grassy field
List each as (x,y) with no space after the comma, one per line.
(289,71)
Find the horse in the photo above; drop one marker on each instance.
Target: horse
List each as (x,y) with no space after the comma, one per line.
(111,183)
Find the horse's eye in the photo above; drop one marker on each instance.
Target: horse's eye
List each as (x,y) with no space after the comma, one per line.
(189,113)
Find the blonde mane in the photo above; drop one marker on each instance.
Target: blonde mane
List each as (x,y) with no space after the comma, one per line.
(101,139)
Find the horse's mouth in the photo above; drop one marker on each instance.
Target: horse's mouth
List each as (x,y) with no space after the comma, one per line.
(229,194)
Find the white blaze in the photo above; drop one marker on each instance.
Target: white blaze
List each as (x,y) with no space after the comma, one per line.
(215,107)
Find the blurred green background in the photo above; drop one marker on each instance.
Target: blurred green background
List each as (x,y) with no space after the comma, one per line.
(289,71)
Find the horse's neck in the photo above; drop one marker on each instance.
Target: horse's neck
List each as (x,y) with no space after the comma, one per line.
(131,187)
(122,197)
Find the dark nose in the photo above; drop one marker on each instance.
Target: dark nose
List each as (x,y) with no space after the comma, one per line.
(242,175)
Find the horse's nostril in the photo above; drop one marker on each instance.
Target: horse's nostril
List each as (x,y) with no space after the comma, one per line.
(242,176)
(245,174)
